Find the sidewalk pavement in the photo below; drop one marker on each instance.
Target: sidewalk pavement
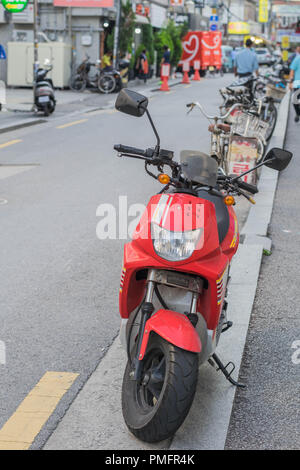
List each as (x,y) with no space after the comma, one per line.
(266,415)
(17,112)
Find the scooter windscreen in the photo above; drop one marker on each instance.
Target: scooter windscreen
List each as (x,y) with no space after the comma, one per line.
(199,167)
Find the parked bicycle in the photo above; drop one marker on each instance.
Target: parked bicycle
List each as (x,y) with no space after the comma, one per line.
(245,134)
(220,134)
(243,92)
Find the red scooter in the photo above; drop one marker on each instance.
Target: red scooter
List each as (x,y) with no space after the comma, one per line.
(174,280)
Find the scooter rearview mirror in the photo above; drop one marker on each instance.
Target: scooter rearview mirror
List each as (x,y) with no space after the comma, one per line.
(132,103)
(278,159)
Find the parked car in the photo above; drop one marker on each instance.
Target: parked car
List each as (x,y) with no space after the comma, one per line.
(264,56)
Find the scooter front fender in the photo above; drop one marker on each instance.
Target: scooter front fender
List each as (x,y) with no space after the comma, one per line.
(175,328)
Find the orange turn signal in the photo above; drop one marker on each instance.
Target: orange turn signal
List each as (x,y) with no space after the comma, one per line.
(163,178)
(229,200)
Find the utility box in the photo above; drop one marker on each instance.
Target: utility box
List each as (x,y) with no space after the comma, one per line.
(20,63)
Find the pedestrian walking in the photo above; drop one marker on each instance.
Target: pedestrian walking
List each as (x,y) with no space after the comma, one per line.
(245,61)
(142,66)
(295,85)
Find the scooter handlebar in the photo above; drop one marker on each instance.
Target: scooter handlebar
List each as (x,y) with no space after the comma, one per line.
(133,151)
(247,187)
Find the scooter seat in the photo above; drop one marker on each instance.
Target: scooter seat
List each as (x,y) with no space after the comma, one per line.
(222,213)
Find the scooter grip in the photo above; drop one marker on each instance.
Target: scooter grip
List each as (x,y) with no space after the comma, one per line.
(248,187)
(129,150)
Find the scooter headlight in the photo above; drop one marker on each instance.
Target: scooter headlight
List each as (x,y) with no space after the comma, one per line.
(174,246)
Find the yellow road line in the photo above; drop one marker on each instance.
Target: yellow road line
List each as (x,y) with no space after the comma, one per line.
(19,432)
(11,142)
(69,124)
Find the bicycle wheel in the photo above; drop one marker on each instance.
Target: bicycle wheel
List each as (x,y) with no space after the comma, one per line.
(107,83)
(270,116)
(77,83)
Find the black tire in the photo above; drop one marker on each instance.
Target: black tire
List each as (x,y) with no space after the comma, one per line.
(271,119)
(153,416)
(107,83)
(77,83)
(46,110)
(262,153)
(52,106)
(119,86)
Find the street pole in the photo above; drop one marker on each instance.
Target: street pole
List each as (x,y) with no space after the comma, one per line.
(117,34)
(70,35)
(35,48)
(228,20)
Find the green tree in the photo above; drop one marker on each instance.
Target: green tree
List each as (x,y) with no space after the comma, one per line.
(127,26)
(183,29)
(175,35)
(162,38)
(148,41)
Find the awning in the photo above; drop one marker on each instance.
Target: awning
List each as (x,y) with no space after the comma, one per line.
(140,19)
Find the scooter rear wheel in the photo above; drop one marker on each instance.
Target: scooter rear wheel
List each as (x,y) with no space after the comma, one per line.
(77,83)
(155,407)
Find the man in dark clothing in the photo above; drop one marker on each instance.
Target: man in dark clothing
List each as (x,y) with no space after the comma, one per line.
(167,56)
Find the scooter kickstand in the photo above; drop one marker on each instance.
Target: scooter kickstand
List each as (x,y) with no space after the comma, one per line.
(224,371)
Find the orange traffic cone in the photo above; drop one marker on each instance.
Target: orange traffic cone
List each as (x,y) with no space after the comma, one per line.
(185,78)
(164,85)
(196,76)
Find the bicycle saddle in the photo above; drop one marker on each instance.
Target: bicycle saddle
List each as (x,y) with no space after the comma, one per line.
(223,127)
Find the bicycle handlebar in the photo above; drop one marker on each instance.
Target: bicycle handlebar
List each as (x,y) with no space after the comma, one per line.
(215,118)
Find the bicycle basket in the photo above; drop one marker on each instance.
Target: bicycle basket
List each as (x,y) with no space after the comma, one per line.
(275,92)
(247,125)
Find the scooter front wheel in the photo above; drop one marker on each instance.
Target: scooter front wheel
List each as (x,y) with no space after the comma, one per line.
(106,83)
(156,406)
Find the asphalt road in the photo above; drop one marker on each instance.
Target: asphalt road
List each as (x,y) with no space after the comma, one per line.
(266,414)
(59,283)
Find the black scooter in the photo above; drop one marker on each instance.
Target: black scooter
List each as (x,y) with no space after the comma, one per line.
(44,91)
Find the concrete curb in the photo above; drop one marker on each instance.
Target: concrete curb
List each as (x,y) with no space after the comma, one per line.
(21,124)
(255,229)
(94,420)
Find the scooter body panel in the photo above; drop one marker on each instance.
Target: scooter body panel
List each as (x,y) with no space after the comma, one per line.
(210,260)
(175,328)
